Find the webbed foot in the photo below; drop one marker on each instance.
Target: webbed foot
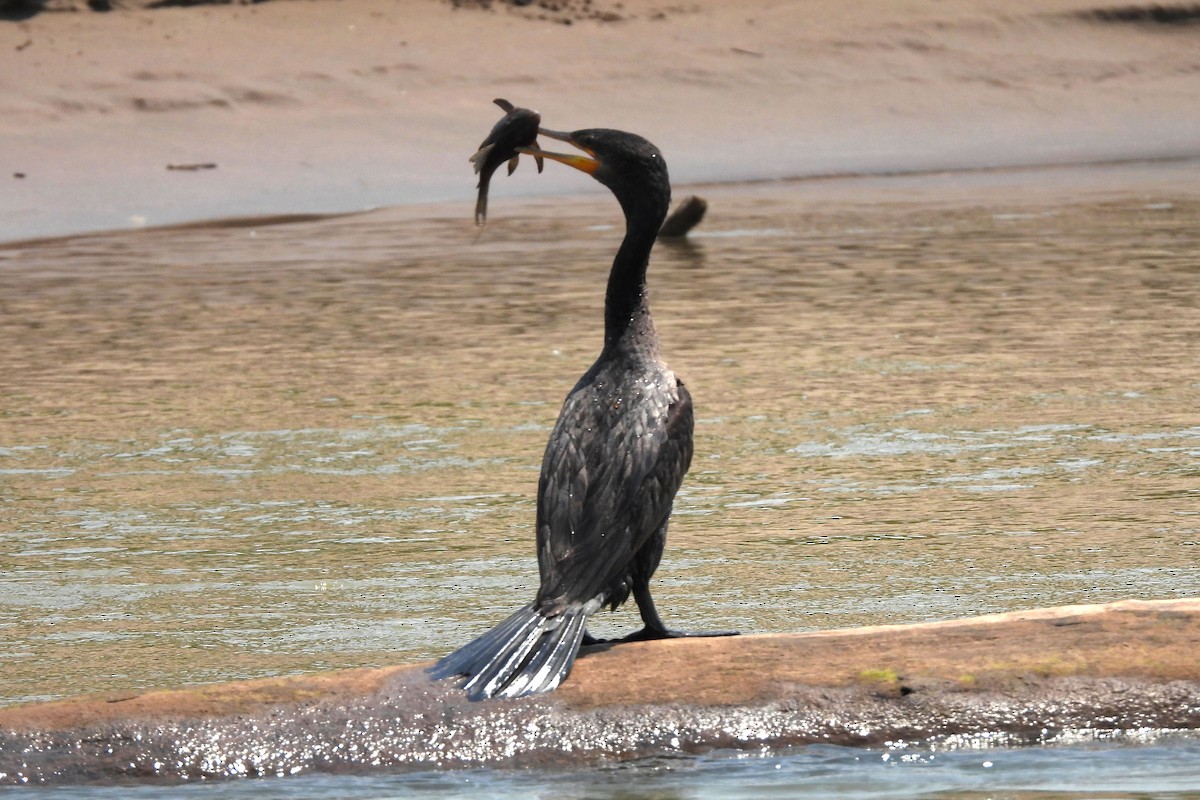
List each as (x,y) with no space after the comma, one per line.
(651,634)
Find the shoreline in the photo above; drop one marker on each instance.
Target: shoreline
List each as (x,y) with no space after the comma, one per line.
(359,105)
(1023,677)
(1042,174)
(202,215)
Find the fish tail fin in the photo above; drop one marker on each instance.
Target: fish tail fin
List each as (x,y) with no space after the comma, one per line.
(481,206)
(481,200)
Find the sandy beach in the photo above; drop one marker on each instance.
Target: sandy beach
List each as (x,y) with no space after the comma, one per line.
(322,106)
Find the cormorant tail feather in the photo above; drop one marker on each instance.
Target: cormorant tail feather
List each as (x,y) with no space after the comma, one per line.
(528,653)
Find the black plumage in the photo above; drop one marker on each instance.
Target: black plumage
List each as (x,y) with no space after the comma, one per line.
(615,459)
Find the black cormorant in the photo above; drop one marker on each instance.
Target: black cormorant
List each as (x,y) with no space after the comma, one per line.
(615,459)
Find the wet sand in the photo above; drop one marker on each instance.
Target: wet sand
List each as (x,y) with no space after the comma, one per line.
(363,103)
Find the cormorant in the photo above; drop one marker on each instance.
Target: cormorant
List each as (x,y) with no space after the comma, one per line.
(615,459)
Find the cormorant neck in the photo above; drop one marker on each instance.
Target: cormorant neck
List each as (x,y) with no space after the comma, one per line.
(626,309)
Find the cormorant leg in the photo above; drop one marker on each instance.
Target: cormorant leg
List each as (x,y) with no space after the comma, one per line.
(655,629)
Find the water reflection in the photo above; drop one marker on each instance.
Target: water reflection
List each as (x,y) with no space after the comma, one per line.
(235,452)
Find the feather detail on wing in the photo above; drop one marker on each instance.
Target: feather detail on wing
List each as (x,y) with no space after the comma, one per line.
(607,483)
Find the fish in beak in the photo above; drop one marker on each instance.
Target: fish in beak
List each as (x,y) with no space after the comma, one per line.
(517,129)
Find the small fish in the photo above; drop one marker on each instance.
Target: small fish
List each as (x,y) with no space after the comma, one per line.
(517,128)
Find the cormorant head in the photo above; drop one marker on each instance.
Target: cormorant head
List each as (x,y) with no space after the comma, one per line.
(630,166)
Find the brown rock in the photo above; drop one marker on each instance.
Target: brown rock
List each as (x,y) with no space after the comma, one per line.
(1009,678)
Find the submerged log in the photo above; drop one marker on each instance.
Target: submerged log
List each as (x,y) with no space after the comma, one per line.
(1020,677)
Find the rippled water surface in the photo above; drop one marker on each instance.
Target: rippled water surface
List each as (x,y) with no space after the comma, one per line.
(257,449)
(1159,771)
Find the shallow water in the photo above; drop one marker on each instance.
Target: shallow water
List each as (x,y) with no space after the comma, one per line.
(1156,770)
(230,451)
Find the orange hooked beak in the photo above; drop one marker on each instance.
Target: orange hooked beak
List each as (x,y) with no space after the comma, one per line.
(584,163)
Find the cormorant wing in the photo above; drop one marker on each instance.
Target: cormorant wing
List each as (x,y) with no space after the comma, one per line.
(608,480)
